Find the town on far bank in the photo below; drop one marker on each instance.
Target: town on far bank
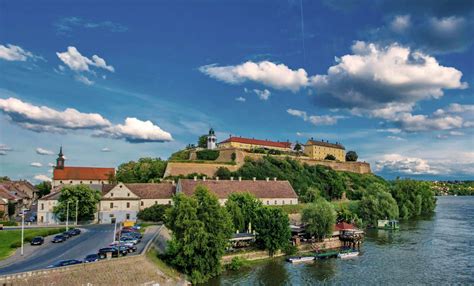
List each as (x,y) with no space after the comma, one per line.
(258,198)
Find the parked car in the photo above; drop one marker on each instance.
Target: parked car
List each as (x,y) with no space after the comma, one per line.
(128,239)
(75,231)
(37,240)
(130,246)
(58,238)
(135,235)
(116,251)
(91,258)
(62,263)
(66,234)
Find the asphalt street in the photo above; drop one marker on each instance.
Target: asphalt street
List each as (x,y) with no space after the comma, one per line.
(88,242)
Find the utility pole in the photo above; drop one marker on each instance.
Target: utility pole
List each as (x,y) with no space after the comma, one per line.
(67,216)
(77,205)
(22,229)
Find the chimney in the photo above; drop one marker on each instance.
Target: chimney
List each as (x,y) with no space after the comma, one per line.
(217,178)
(231,178)
(254,179)
(275,179)
(240,179)
(195,178)
(267,178)
(204,178)
(173,182)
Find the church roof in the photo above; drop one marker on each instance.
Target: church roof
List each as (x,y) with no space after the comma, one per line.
(258,142)
(83,173)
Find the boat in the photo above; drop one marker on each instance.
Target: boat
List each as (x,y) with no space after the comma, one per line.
(388,224)
(351,254)
(326,254)
(300,259)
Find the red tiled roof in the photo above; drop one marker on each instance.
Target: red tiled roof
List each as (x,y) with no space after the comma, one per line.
(5,193)
(83,173)
(13,190)
(258,142)
(343,226)
(223,188)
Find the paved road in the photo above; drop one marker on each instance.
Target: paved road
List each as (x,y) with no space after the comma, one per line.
(95,237)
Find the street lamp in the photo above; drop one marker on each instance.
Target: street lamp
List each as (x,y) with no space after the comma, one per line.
(67,216)
(77,205)
(22,228)
(115,225)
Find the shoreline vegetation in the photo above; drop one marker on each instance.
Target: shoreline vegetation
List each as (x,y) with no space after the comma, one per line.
(326,197)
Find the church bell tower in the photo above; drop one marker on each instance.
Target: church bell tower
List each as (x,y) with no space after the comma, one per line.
(60,159)
(211,140)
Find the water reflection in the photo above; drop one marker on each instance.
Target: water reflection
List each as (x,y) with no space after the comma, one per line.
(320,270)
(272,273)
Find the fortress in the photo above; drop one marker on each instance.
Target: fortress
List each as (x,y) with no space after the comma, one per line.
(231,154)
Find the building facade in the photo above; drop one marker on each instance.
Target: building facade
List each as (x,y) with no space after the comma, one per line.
(318,150)
(63,175)
(211,140)
(248,144)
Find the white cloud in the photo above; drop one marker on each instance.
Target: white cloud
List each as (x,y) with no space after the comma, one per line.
(400,23)
(390,130)
(36,164)
(262,94)
(315,119)
(67,24)
(396,138)
(105,149)
(51,165)
(77,62)
(41,177)
(278,76)
(41,151)
(84,79)
(136,131)
(4,147)
(42,118)
(14,53)
(406,165)
(374,76)
(240,98)
(415,123)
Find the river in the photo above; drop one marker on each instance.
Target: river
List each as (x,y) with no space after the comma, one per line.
(433,250)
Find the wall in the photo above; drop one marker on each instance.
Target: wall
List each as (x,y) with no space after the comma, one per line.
(208,169)
(271,201)
(145,203)
(45,212)
(78,182)
(320,152)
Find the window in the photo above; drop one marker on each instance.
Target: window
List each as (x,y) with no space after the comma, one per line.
(70,182)
(120,186)
(42,206)
(283,202)
(128,205)
(111,194)
(169,202)
(80,182)
(128,216)
(156,202)
(141,203)
(128,194)
(111,205)
(268,202)
(60,182)
(275,202)
(90,182)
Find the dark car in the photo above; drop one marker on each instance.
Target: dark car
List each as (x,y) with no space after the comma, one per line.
(38,240)
(74,231)
(134,235)
(130,246)
(58,238)
(66,234)
(62,263)
(116,251)
(91,258)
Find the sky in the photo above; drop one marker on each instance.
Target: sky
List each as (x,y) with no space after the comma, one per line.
(113,81)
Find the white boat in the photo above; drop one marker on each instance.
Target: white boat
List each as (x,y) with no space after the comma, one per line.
(345,255)
(300,259)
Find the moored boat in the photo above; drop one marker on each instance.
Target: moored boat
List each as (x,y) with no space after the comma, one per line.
(351,254)
(300,259)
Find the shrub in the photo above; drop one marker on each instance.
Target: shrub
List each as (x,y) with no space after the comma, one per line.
(223,173)
(8,223)
(330,157)
(180,155)
(274,152)
(210,155)
(351,156)
(290,249)
(154,213)
(237,263)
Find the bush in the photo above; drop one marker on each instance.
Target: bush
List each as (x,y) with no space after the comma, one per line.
(274,152)
(154,213)
(209,155)
(237,263)
(330,157)
(180,155)
(8,223)
(351,156)
(290,249)
(223,173)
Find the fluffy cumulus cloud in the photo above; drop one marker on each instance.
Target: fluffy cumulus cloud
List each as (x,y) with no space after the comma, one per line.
(400,23)
(278,76)
(45,119)
(375,76)
(42,118)
(136,131)
(41,177)
(15,53)
(262,94)
(315,119)
(36,164)
(397,163)
(41,151)
(77,62)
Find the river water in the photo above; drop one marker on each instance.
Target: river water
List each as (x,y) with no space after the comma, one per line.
(434,250)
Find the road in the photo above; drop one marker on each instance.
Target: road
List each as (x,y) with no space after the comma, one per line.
(88,242)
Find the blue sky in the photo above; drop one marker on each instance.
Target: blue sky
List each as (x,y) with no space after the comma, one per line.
(116,81)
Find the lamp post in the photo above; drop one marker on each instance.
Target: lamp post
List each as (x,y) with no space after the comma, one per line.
(67,216)
(77,205)
(22,229)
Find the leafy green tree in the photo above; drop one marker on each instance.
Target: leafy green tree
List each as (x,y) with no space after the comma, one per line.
(273,229)
(207,154)
(200,229)
(87,198)
(145,170)
(377,203)
(351,156)
(414,198)
(319,219)
(298,147)
(4,179)
(180,155)
(154,213)
(330,157)
(43,188)
(311,195)
(202,141)
(223,173)
(243,208)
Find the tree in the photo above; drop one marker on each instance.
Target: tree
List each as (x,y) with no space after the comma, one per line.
(43,188)
(273,229)
(351,156)
(243,208)
(86,197)
(319,219)
(311,195)
(145,170)
(233,156)
(298,147)
(377,203)
(223,173)
(200,229)
(207,154)
(154,213)
(202,141)
(330,157)
(414,198)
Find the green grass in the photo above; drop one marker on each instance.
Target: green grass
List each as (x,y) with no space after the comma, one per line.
(11,239)
(152,255)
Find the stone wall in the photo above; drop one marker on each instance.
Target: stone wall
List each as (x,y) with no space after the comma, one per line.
(208,169)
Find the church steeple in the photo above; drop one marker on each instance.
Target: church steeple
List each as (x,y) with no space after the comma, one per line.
(60,159)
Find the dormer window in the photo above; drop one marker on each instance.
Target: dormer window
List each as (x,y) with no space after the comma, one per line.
(128,194)
(111,194)
(120,186)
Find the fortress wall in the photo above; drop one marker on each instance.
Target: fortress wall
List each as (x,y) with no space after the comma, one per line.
(178,168)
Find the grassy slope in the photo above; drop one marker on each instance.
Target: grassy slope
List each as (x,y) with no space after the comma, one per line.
(9,238)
